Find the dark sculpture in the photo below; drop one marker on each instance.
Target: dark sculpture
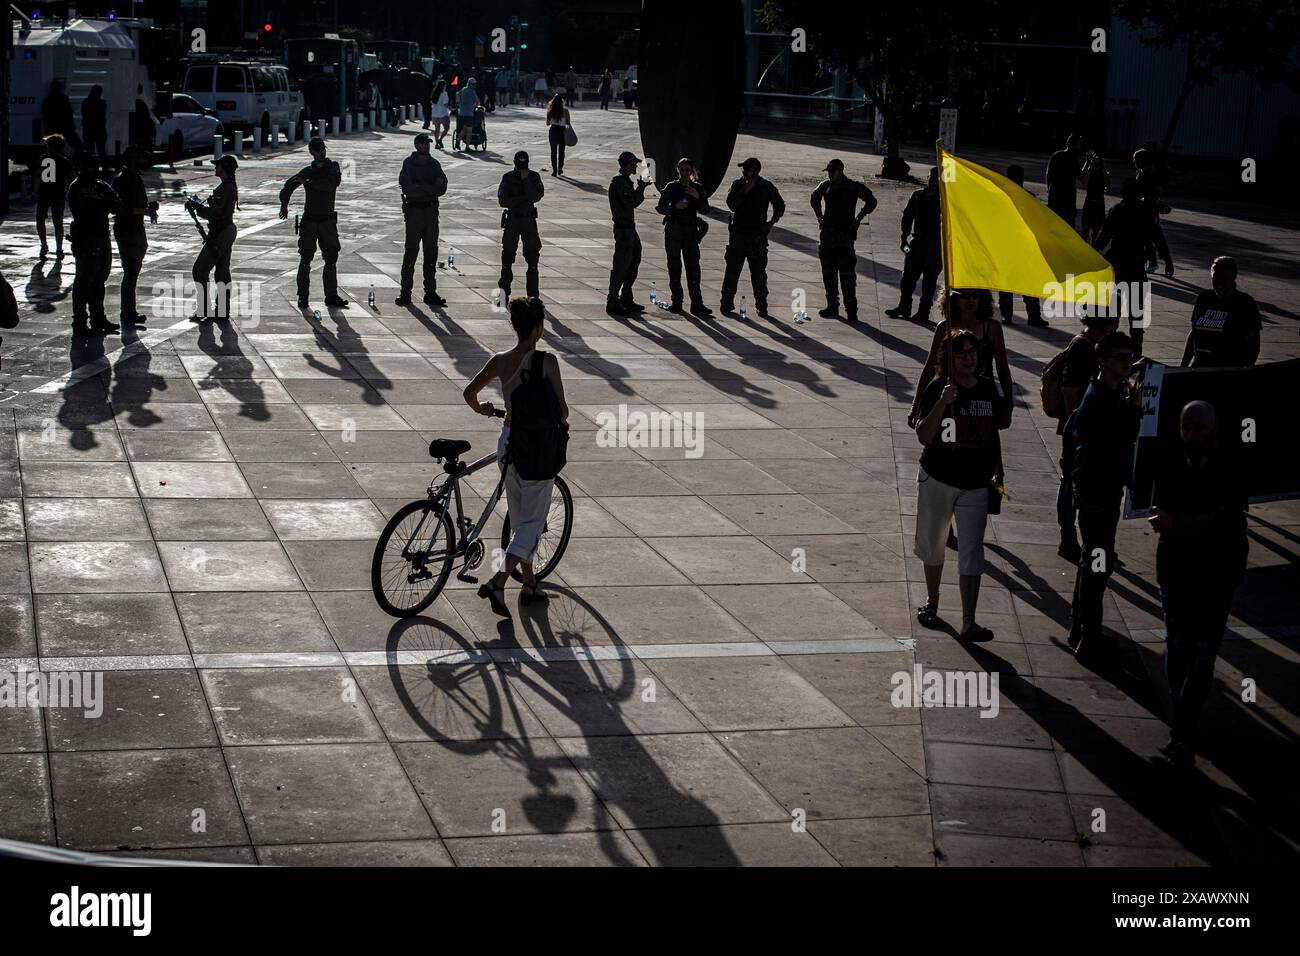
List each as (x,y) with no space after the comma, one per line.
(691,83)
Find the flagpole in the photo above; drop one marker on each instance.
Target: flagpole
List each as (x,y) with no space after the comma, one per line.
(945,252)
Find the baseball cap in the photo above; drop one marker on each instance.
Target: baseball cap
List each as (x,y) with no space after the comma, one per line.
(834,164)
(422,138)
(750,162)
(473,80)
(628,157)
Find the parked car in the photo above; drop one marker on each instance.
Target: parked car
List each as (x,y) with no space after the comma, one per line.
(191,126)
(245,95)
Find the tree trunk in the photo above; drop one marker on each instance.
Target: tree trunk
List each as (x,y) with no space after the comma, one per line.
(1185,92)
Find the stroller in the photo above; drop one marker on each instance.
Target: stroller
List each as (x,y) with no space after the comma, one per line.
(472,132)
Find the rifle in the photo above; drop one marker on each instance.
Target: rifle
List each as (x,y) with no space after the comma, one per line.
(197,225)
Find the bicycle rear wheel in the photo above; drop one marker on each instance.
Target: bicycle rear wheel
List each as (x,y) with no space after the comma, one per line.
(555,533)
(413,558)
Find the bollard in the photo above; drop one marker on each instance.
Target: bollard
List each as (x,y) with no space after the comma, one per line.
(306,130)
(275,136)
(288,133)
(239,143)
(347,123)
(370,121)
(257,139)
(217,143)
(336,128)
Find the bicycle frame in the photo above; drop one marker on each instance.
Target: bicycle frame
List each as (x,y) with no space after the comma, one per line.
(455,472)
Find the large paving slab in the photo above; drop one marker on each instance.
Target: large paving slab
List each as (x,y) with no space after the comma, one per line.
(190,511)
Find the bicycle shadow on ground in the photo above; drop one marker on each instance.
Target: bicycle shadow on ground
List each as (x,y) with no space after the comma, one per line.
(544,668)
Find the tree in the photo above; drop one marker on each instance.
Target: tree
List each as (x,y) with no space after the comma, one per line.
(1257,38)
(897,52)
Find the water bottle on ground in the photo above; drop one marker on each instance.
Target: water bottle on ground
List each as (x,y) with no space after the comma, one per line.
(451,257)
(654,296)
(370,299)
(744,312)
(316,314)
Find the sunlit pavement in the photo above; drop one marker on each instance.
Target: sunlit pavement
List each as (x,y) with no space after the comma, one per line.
(192,510)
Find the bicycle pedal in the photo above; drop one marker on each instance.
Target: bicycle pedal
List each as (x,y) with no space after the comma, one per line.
(467,578)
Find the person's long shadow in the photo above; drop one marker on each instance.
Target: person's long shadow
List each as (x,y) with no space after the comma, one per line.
(44,288)
(134,384)
(460,698)
(570,343)
(85,403)
(347,346)
(1150,786)
(231,369)
(681,348)
(465,352)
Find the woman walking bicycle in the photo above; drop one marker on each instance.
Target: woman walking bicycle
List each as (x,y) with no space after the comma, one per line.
(528,375)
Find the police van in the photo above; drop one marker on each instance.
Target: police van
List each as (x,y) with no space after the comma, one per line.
(244,94)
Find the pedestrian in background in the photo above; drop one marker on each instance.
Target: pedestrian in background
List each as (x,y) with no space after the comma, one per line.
(606,89)
(1199,511)
(53,175)
(571,86)
(439,112)
(1126,235)
(557,123)
(94,122)
(1096,180)
(1063,174)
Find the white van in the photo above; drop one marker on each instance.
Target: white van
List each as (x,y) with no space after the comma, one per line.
(245,94)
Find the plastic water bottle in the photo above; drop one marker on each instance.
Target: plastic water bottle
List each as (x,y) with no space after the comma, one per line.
(662,305)
(654,296)
(907,250)
(451,257)
(744,312)
(316,314)
(370,299)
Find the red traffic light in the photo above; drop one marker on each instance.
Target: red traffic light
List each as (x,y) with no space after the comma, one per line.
(266,27)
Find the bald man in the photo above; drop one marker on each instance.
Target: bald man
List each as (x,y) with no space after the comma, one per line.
(1200,514)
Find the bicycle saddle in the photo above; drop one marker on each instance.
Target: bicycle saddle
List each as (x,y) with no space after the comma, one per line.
(447,448)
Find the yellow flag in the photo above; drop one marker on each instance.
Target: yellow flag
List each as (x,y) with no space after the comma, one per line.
(998,236)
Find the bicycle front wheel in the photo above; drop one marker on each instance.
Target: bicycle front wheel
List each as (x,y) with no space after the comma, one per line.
(555,533)
(413,558)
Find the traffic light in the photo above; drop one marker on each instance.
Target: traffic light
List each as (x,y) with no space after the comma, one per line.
(523,46)
(266,27)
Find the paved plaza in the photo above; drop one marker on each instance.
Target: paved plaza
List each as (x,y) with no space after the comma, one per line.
(192,510)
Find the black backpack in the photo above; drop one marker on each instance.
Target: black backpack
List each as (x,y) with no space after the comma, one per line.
(538,440)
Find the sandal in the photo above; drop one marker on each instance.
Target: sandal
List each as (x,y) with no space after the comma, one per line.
(975,634)
(928,613)
(495,595)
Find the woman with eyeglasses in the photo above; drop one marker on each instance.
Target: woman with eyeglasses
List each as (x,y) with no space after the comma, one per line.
(958,424)
(970,309)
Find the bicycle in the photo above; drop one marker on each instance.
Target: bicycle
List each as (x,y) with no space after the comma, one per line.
(421,542)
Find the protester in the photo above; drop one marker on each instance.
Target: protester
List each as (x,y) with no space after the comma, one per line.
(557,122)
(1128,231)
(94,122)
(681,203)
(1199,512)
(128,228)
(1063,175)
(52,177)
(838,231)
(606,89)
(1225,322)
(1099,459)
(1096,180)
(528,502)
(923,257)
(970,309)
(319,226)
(520,191)
(624,197)
(958,425)
(91,201)
(219,211)
(748,199)
(1006,301)
(1076,371)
